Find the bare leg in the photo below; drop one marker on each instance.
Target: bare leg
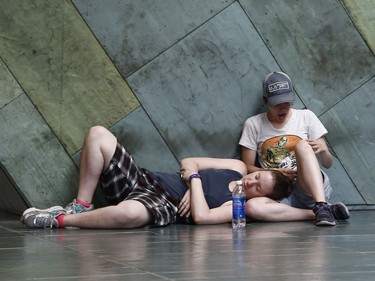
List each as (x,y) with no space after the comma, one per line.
(265,209)
(309,176)
(98,149)
(127,214)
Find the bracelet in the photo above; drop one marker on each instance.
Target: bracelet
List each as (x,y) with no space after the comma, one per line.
(194,176)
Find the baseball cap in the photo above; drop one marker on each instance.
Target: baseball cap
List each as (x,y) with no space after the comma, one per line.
(278,88)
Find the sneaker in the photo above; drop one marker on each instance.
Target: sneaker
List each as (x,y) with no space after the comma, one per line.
(47,218)
(324,216)
(76,208)
(340,211)
(49,210)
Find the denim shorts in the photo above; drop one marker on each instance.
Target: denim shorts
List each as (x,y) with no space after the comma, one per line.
(300,199)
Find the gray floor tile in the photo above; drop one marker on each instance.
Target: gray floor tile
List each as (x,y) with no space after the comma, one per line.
(264,251)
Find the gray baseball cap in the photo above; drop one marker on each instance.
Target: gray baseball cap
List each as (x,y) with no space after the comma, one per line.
(278,88)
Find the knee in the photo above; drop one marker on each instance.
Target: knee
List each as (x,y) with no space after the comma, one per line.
(124,219)
(132,214)
(303,147)
(96,132)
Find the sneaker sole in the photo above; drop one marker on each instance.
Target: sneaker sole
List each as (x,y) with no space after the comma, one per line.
(326,223)
(32,209)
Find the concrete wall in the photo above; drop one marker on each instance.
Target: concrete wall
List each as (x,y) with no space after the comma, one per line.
(173,79)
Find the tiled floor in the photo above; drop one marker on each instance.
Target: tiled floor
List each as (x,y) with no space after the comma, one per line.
(264,251)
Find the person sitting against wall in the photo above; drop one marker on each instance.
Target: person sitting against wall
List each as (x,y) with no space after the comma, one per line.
(138,197)
(292,142)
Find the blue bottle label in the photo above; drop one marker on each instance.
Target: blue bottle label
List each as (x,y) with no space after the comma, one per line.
(239,208)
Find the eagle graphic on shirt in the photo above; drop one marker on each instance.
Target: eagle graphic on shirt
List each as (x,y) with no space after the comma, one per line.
(278,152)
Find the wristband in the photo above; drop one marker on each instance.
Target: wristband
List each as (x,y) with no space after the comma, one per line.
(194,176)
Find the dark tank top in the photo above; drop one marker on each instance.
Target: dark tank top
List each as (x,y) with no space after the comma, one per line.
(215,185)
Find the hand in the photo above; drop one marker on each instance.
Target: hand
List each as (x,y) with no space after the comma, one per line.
(321,151)
(186,173)
(184,206)
(290,173)
(316,146)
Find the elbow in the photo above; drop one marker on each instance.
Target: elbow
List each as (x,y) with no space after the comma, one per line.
(326,161)
(327,165)
(199,219)
(256,208)
(253,212)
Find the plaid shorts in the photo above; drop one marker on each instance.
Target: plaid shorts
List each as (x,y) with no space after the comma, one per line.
(125,180)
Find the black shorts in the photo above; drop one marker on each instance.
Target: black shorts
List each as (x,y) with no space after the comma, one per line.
(125,180)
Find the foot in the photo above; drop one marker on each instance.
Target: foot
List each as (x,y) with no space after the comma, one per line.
(340,211)
(42,218)
(323,214)
(76,208)
(49,210)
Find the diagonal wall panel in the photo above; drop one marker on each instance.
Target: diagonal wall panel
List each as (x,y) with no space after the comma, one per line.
(9,89)
(196,66)
(314,42)
(352,136)
(363,14)
(199,92)
(134,32)
(40,168)
(63,69)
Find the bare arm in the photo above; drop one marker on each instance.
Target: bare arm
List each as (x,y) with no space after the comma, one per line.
(265,209)
(194,164)
(200,211)
(249,157)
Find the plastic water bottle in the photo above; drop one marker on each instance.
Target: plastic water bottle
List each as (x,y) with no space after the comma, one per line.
(239,206)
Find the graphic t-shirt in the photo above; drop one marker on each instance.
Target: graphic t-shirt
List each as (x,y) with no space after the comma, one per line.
(275,147)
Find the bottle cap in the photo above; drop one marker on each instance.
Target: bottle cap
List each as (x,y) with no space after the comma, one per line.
(239,182)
